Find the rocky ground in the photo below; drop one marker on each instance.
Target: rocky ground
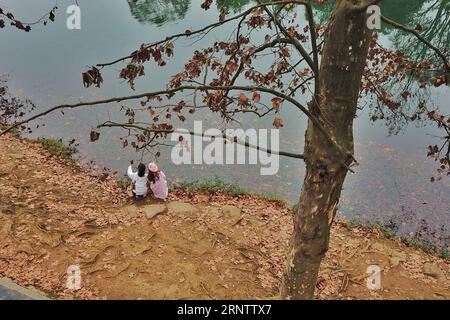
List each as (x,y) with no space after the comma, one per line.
(194,246)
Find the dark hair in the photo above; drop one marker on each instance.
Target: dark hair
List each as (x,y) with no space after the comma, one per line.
(153,176)
(141,170)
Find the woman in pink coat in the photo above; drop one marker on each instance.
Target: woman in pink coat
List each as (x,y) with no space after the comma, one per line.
(158,182)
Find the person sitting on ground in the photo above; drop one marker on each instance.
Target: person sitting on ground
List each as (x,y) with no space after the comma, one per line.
(138,181)
(158,182)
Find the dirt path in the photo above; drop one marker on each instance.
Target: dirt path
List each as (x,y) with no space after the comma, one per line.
(195,246)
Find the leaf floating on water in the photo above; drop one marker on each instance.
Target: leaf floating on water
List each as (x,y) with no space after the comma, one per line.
(94,136)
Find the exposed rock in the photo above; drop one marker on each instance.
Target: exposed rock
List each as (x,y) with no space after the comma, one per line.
(258,223)
(377,246)
(153,210)
(415,257)
(396,257)
(169,291)
(11,291)
(352,243)
(432,270)
(181,207)
(17,156)
(231,212)
(132,209)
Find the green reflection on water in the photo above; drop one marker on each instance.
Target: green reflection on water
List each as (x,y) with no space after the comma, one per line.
(158,12)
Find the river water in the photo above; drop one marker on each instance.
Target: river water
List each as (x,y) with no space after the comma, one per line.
(392,183)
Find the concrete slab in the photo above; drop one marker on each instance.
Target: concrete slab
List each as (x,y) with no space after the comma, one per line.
(11,291)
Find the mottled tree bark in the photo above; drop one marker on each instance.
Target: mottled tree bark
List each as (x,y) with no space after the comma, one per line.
(343,60)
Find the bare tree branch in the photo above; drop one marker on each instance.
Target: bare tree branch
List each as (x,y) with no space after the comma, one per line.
(169,92)
(315,51)
(189,33)
(297,104)
(294,40)
(234,139)
(26,26)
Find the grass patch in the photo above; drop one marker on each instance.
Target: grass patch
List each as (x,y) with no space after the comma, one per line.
(426,246)
(123,182)
(271,196)
(213,186)
(217,185)
(294,209)
(14,132)
(387,230)
(445,253)
(57,148)
(390,230)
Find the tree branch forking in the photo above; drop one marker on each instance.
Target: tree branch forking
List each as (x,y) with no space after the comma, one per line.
(170,92)
(189,33)
(313,63)
(294,40)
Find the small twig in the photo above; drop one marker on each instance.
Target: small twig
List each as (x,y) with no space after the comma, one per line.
(206,290)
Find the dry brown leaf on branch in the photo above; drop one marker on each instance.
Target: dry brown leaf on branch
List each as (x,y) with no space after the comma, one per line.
(278,122)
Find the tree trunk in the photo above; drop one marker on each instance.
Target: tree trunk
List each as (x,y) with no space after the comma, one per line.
(343,61)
